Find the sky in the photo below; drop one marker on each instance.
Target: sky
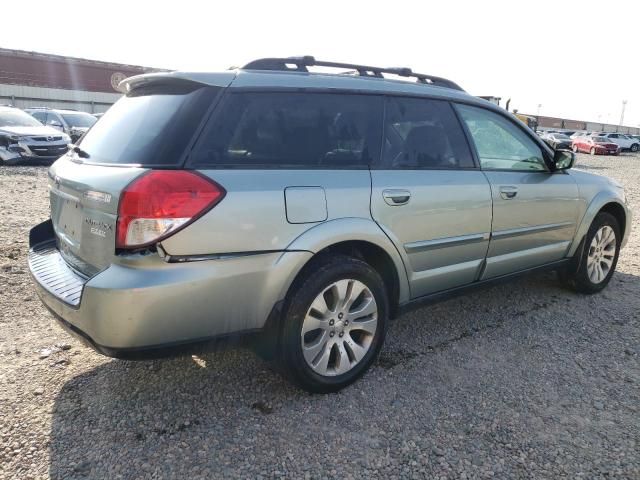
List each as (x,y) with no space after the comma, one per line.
(574,59)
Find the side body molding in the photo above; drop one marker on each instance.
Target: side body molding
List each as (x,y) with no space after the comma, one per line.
(349,229)
(599,201)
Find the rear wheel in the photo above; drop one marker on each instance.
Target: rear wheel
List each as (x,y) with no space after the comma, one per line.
(634,147)
(594,264)
(574,148)
(334,324)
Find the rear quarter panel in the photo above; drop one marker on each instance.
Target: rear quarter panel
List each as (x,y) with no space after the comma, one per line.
(253,217)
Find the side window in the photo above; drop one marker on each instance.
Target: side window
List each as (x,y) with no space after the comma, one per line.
(423,134)
(40,116)
(500,144)
(292,130)
(613,135)
(52,117)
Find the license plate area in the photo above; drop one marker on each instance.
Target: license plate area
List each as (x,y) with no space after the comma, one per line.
(67,213)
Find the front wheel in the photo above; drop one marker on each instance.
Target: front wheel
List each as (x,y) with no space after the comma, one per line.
(634,147)
(595,263)
(575,149)
(592,151)
(334,324)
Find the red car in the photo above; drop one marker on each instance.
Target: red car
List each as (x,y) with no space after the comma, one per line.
(595,146)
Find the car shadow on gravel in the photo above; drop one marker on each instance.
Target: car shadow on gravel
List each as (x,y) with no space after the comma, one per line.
(203,411)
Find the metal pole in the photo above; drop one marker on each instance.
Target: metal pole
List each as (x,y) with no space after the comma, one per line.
(624,104)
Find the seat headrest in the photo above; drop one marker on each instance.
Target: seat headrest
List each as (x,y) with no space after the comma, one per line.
(425,146)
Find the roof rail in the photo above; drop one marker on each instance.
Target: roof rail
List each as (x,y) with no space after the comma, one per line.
(300,64)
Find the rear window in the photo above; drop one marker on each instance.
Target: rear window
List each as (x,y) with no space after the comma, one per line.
(151,126)
(292,130)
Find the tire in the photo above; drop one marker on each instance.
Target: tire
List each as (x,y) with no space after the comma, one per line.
(325,358)
(580,274)
(592,151)
(634,147)
(574,148)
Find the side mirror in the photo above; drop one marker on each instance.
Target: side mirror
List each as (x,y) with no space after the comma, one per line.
(55,123)
(563,159)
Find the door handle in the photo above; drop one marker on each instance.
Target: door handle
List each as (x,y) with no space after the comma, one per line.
(396,197)
(508,193)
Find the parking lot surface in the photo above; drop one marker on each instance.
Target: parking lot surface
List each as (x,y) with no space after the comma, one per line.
(521,380)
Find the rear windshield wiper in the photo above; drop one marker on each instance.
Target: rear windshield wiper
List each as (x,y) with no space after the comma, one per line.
(81,153)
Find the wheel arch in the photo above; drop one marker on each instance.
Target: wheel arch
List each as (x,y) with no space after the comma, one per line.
(360,238)
(619,213)
(603,202)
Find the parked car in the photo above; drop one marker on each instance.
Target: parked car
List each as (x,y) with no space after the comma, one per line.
(24,139)
(578,135)
(73,123)
(558,141)
(307,209)
(623,141)
(595,146)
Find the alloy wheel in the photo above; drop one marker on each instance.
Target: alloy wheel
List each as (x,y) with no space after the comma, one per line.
(601,254)
(339,327)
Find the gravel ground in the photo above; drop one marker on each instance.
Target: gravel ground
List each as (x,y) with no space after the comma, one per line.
(524,380)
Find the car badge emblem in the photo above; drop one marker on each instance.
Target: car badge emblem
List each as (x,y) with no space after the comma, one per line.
(49,139)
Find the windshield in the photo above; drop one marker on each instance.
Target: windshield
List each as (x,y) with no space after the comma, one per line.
(601,140)
(17,118)
(82,120)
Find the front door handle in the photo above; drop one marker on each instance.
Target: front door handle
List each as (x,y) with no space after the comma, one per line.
(396,197)
(508,193)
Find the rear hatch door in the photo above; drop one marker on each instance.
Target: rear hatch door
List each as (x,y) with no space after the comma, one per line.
(84,209)
(152,127)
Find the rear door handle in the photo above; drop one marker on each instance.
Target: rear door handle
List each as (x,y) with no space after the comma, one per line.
(508,193)
(396,197)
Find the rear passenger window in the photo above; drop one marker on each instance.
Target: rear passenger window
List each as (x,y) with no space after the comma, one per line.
(423,134)
(292,130)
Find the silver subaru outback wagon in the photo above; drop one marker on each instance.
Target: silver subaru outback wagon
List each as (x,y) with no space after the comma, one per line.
(306,208)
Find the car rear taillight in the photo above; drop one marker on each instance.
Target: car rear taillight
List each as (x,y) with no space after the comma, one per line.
(161,202)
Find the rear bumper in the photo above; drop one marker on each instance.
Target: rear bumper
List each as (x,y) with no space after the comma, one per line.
(146,305)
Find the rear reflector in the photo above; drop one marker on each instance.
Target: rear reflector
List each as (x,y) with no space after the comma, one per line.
(161,202)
